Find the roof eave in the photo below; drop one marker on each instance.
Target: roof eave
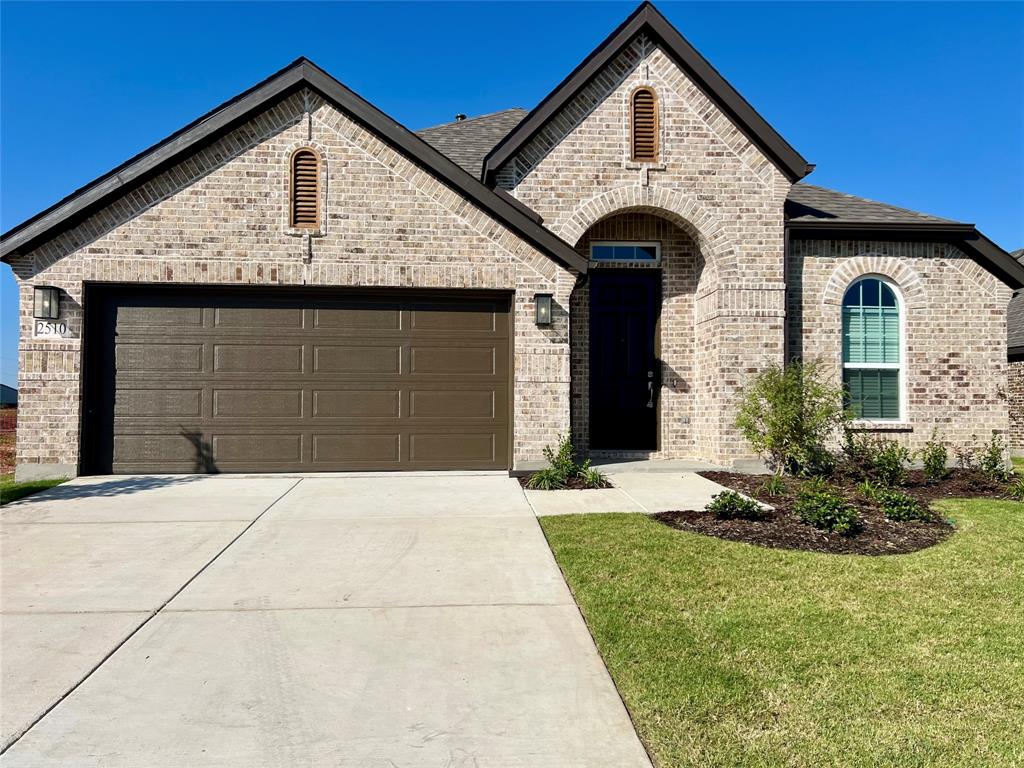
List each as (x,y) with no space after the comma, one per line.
(301,73)
(647,18)
(985,252)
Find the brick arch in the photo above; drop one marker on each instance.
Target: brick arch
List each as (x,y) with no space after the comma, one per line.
(848,270)
(681,209)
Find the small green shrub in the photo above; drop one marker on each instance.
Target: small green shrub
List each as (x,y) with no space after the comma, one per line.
(788,414)
(592,478)
(934,457)
(967,456)
(869,490)
(993,459)
(774,486)
(546,480)
(901,507)
(729,505)
(563,469)
(876,458)
(1016,489)
(891,462)
(824,508)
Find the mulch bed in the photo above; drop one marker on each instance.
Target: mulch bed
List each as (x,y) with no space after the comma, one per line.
(879,535)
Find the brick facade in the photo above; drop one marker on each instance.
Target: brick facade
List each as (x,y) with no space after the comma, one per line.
(954,322)
(1015,399)
(713,188)
(221,218)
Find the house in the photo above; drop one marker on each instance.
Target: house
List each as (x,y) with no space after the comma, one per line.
(294,281)
(1015,361)
(8,396)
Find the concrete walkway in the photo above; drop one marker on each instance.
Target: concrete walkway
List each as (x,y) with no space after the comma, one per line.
(355,621)
(647,492)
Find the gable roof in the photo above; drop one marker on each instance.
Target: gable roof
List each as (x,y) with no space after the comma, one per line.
(647,19)
(468,141)
(302,73)
(813,211)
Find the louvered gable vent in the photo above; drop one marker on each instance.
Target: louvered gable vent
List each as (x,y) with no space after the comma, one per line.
(305,190)
(645,126)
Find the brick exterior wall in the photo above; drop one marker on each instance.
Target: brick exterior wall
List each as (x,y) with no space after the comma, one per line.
(954,322)
(220,217)
(1015,398)
(711,183)
(713,200)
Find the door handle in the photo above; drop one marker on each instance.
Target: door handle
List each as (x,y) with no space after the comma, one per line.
(650,394)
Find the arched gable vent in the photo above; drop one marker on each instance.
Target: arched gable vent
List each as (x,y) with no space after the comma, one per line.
(305,202)
(645,126)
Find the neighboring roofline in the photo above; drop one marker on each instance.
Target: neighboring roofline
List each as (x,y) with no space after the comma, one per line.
(966,236)
(647,18)
(301,73)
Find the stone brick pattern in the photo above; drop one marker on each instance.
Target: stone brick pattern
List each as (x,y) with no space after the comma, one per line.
(220,217)
(711,183)
(955,326)
(1015,399)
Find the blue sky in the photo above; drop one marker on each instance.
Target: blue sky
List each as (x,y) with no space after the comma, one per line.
(916,104)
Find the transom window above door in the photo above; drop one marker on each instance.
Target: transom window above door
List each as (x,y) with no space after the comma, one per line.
(626,253)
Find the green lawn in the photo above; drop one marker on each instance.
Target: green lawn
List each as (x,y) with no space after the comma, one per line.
(11,491)
(733,655)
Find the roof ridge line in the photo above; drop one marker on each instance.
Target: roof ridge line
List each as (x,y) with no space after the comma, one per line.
(471,119)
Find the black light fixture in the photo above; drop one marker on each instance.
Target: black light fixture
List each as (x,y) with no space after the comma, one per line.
(542,305)
(45,302)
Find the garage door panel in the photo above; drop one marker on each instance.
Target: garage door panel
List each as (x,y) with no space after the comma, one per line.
(366,449)
(453,405)
(253,450)
(148,358)
(363,317)
(260,380)
(257,358)
(267,403)
(159,403)
(357,403)
(357,358)
(250,318)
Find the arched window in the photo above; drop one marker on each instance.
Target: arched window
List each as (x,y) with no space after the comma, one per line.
(305,202)
(644,108)
(872,349)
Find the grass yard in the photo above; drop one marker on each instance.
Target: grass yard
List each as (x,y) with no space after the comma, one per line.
(12,491)
(729,654)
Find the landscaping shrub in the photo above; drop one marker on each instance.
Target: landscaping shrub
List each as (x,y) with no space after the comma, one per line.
(967,456)
(788,414)
(564,469)
(824,508)
(774,486)
(729,505)
(876,458)
(900,507)
(869,490)
(1016,489)
(993,460)
(934,457)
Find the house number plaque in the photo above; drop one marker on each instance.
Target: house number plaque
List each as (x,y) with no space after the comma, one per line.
(50,329)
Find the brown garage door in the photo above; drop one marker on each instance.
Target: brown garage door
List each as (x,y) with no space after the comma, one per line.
(267,381)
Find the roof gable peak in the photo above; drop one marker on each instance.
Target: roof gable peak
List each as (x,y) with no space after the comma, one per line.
(647,19)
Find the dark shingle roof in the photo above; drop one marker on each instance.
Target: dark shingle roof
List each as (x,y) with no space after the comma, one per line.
(807,202)
(468,141)
(1015,312)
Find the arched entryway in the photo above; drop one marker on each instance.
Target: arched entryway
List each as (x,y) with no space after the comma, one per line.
(636,368)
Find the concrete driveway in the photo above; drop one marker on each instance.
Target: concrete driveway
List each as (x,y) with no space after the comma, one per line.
(397,621)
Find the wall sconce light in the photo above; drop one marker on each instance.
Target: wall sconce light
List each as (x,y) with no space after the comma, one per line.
(45,302)
(542,304)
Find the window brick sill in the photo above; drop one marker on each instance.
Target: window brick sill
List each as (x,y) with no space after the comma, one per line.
(881,426)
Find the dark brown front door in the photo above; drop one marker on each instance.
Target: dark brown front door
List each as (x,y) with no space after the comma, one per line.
(624,307)
(194,380)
